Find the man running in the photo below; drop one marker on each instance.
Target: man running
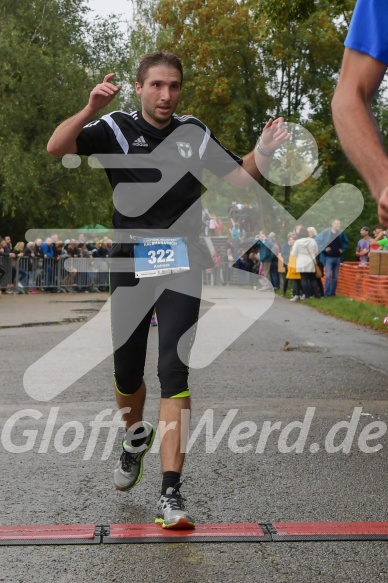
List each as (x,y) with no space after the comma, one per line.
(174,295)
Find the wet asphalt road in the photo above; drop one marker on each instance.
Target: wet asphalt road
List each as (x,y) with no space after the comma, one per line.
(334,368)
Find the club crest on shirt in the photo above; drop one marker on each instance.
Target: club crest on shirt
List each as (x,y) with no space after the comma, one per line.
(184,149)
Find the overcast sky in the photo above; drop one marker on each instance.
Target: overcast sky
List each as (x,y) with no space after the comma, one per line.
(105,7)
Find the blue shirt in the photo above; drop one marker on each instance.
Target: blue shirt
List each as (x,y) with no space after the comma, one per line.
(47,249)
(368,30)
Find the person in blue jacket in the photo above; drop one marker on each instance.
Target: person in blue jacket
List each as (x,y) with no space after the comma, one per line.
(332,243)
(266,247)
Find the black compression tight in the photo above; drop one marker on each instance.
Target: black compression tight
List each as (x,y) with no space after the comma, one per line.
(132,304)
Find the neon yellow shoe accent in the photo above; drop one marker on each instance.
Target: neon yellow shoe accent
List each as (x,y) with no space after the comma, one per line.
(181,524)
(185,393)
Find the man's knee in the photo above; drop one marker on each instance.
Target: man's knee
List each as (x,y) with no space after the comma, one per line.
(127,389)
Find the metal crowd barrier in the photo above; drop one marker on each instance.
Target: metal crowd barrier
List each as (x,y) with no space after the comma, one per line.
(49,274)
(5,272)
(84,274)
(66,274)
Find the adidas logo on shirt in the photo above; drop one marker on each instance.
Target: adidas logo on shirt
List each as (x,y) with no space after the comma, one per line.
(140,142)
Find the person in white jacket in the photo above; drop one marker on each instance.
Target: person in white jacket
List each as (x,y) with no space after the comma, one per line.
(306,250)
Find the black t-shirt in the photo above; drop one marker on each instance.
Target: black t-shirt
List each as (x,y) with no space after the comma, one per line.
(182,158)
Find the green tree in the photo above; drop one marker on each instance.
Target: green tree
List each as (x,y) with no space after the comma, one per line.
(48,70)
(303,42)
(224,77)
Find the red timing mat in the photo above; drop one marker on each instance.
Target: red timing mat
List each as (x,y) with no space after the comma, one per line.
(304,531)
(50,534)
(220,532)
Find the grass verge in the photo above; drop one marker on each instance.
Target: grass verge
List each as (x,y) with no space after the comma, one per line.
(348,309)
(370,315)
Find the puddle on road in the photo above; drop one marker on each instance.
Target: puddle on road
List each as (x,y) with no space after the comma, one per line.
(55,323)
(302,348)
(78,302)
(86,311)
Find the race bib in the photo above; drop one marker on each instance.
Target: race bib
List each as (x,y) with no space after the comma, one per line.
(160,256)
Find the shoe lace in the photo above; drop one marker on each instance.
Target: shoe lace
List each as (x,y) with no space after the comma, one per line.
(175,499)
(128,459)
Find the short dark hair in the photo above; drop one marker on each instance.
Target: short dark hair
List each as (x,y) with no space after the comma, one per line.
(303,232)
(153,60)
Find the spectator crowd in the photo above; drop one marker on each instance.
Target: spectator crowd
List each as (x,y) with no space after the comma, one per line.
(40,265)
(298,263)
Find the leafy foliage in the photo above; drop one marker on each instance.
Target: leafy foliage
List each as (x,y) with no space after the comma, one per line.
(244,61)
(224,77)
(46,76)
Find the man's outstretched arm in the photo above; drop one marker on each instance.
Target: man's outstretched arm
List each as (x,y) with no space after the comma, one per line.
(356,126)
(63,140)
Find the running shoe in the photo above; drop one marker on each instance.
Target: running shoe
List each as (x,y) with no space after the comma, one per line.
(129,469)
(171,511)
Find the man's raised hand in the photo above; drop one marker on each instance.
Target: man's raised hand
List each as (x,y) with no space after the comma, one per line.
(274,134)
(103,93)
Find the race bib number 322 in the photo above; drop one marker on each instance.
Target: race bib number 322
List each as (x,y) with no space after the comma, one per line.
(160,256)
